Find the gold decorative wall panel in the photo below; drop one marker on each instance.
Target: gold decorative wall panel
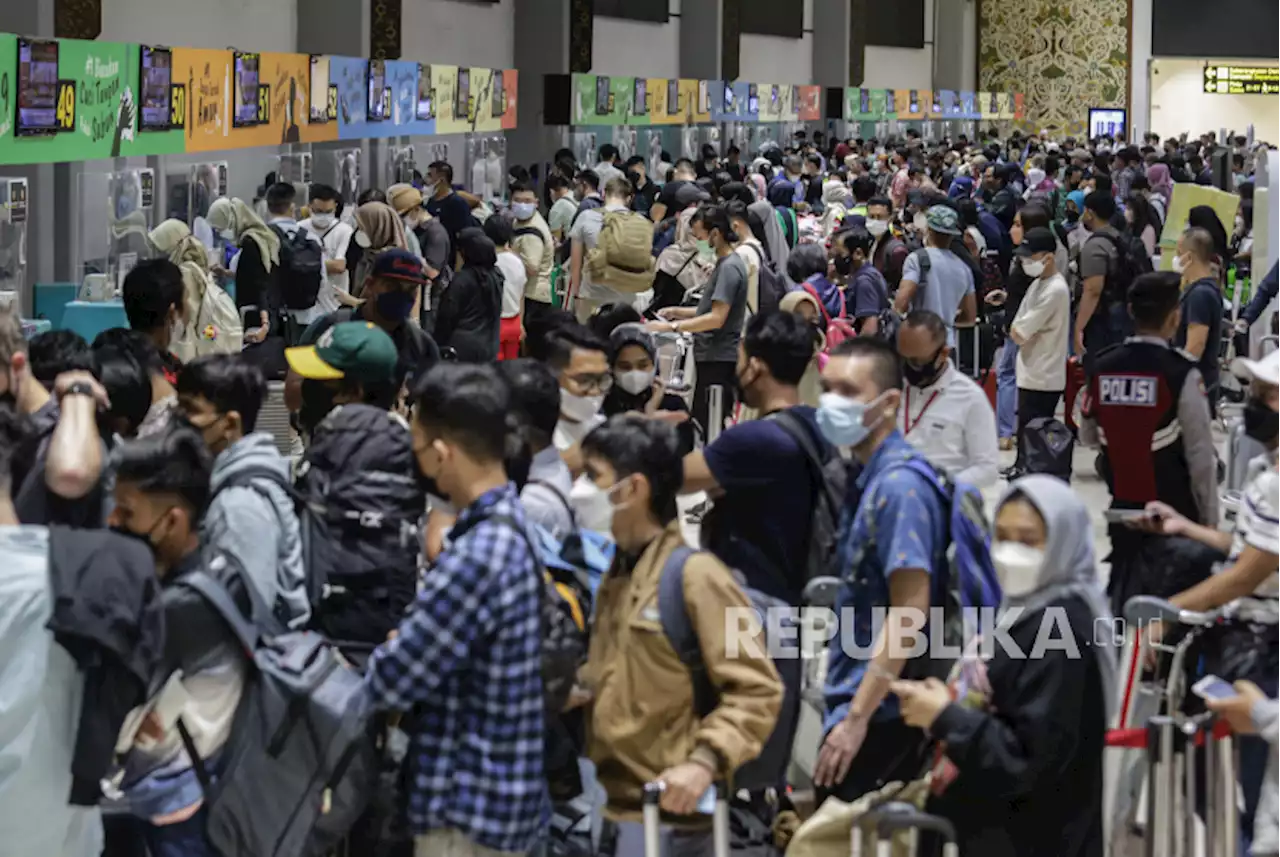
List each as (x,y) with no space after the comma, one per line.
(1065,55)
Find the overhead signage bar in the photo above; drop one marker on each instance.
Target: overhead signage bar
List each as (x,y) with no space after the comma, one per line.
(1241,79)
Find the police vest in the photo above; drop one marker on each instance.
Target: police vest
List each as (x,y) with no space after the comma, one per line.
(1133,398)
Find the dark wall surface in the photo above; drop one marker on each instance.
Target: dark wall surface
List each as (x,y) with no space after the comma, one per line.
(1221,29)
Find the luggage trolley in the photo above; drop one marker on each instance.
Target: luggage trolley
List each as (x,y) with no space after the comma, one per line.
(1150,805)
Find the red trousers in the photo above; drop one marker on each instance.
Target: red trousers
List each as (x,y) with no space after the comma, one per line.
(509,338)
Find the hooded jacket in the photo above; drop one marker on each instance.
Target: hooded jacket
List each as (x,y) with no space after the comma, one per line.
(471,308)
(258,526)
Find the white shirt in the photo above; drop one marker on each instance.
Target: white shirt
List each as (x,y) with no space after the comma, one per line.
(335,241)
(952,423)
(514,278)
(1257,527)
(606,171)
(1043,321)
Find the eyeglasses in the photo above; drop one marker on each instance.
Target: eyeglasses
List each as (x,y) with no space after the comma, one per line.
(589,384)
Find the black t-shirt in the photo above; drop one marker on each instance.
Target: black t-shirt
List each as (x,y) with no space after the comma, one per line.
(454,214)
(644,198)
(254,285)
(667,196)
(418,351)
(1202,304)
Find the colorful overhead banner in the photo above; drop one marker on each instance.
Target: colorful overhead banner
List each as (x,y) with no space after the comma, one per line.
(809,108)
(218,100)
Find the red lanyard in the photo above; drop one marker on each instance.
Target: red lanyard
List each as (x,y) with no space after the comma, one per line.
(907,414)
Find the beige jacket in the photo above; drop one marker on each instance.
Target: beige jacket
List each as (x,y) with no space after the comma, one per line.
(641,720)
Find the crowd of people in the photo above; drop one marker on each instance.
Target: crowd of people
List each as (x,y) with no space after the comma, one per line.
(478,399)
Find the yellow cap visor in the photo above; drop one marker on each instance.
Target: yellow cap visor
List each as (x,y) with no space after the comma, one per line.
(306,361)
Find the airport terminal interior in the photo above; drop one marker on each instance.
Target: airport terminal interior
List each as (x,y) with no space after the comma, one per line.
(639,428)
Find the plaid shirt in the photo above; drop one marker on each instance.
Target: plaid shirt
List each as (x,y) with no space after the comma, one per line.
(468,662)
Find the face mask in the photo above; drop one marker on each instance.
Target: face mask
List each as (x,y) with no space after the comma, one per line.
(843,264)
(1017,566)
(363,241)
(141,538)
(227,235)
(704,248)
(591,505)
(1239,222)
(395,306)
(1033,267)
(840,419)
(877,227)
(636,381)
(920,222)
(922,376)
(579,408)
(322,221)
(1260,422)
(524,210)
(1178,265)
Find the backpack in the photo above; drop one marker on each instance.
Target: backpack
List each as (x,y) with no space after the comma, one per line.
(583,553)
(1132,261)
(968,583)
(216,328)
(301,268)
(623,256)
(768,769)
(790,226)
(837,329)
(831,474)
(772,286)
(1048,447)
(301,761)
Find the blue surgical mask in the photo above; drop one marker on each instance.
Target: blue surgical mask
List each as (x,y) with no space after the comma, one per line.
(841,419)
(395,306)
(523,210)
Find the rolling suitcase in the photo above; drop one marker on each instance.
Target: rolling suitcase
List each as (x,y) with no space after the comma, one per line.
(894,830)
(659,842)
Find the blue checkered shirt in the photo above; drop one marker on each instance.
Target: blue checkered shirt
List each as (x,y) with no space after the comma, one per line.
(468,662)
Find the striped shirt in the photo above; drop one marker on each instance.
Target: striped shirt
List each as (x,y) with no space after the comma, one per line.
(467,662)
(1258,526)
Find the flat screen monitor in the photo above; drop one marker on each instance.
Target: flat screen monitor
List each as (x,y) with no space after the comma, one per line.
(641,106)
(157,78)
(753,99)
(246,90)
(426,95)
(775,99)
(499,93)
(864,101)
(673,97)
(704,97)
(730,99)
(1107,122)
(37,87)
(463,101)
(377,90)
(913,101)
(319,111)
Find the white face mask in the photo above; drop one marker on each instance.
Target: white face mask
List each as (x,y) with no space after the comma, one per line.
(1018,567)
(636,381)
(1178,265)
(322,220)
(921,222)
(877,227)
(579,408)
(1033,267)
(523,210)
(227,235)
(362,240)
(591,505)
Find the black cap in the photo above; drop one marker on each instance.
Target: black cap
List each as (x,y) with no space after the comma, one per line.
(1038,240)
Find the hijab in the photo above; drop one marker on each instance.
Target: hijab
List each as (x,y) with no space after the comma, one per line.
(618,400)
(1204,217)
(834,195)
(759,185)
(775,242)
(1070,567)
(961,188)
(782,194)
(234,215)
(382,226)
(1161,180)
(174,239)
(477,249)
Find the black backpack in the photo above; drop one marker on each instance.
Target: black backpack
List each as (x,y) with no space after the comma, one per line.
(772,284)
(301,268)
(1132,262)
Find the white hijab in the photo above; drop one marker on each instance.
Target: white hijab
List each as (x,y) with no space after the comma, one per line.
(1070,567)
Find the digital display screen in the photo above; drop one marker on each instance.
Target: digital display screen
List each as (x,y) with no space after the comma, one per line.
(673,97)
(319,109)
(37,87)
(913,101)
(463,101)
(753,99)
(730,104)
(1241,80)
(1106,122)
(864,101)
(704,97)
(246,90)
(499,93)
(377,90)
(775,99)
(426,95)
(157,76)
(641,97)
(602,96)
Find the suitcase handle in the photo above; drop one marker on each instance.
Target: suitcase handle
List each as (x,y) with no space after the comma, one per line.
(898,815)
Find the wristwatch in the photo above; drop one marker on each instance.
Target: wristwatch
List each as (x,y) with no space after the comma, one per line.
(79,388)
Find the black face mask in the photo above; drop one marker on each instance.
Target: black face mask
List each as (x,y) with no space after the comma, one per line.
(843,265)
(141,538)
(922,376)
(1260,422)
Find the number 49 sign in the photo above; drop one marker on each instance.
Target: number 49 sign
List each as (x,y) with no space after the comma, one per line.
(66,115)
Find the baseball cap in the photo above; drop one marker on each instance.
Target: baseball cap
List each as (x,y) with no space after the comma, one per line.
(358,350)
(943,219)
(1038,240)
(1265,369)
(397,264)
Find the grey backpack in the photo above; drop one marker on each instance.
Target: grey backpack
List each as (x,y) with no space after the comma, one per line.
(301,761)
